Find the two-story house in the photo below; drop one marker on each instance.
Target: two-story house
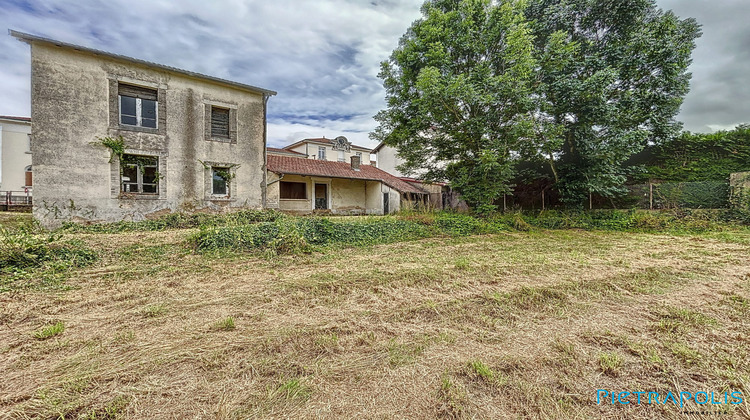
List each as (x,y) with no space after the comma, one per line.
(117,138)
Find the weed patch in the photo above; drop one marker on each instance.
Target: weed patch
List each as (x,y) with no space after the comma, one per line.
(50,331)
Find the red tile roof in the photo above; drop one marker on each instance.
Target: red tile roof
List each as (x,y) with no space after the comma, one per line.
(324,168)
(8,117)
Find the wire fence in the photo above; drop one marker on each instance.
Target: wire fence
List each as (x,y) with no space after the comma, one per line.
(664,195)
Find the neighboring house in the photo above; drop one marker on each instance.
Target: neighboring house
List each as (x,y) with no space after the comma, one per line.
(15,156)
(191,141)
(335,150)
(440,194)
(298,183)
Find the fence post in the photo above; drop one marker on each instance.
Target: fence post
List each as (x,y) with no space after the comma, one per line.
(650,196)
(542,199)
(504,207)
(591,203)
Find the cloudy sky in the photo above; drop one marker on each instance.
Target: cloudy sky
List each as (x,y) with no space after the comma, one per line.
(322,57)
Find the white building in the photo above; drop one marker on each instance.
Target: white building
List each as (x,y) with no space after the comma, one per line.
(15,154)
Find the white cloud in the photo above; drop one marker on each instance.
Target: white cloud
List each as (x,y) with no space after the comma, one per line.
(322,57)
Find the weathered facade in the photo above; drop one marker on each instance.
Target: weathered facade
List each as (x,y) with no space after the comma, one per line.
(15,155)
(190,142)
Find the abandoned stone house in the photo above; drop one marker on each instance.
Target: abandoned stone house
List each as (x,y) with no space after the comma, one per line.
(174,140)
(328,175)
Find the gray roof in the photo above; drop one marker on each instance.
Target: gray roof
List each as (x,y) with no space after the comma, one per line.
(28,38)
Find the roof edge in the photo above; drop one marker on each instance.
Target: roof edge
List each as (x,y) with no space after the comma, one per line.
(29,39)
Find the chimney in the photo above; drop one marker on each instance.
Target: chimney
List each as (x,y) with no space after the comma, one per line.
(355,163)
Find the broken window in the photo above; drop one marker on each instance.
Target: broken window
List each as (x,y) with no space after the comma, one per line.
(139,174)
(292,190)
(137,106)
(219,181)
(219,122)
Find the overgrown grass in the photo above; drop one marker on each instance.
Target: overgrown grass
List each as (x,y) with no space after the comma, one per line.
(177,221)
(33,257)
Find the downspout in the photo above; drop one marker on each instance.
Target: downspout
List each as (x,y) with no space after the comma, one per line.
(281,176)
(263,193)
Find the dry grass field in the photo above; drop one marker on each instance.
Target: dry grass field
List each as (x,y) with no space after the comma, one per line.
(515,325)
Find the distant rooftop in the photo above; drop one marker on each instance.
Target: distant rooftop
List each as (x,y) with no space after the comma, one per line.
(8,117)
(323,140)
(28,38)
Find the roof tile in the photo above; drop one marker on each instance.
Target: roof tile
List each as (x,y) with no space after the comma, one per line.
(325,168)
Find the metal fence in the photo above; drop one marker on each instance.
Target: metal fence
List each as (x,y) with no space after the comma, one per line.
(15,200)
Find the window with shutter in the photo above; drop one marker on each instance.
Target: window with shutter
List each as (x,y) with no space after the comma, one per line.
(219,122)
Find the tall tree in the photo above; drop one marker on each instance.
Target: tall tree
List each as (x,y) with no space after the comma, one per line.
(460,95)
(619,85)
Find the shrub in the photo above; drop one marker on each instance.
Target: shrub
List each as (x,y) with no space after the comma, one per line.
(22,249)
(179,221)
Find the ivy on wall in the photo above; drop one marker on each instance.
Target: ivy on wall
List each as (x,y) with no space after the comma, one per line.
(697,157)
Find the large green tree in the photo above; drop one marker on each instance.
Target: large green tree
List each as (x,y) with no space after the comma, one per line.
(460,95)
(618,86)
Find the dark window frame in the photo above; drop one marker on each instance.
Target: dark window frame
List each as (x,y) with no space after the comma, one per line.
(289,194)
(220,118)
(142,99)
(228,135)
(136,165)
(215,177)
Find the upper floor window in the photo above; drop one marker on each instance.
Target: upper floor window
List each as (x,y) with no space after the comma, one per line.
(342,156)
(138,106)
(28,179)
(321,153)
(139,174)
(219,122)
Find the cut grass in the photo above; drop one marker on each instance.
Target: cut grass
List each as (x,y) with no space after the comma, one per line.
(511,325)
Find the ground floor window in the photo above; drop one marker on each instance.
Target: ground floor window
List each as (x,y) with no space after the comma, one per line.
(139,174)
(220,180)
(292,190)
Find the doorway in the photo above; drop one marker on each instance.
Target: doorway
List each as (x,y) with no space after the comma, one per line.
(321,196)
(386,203)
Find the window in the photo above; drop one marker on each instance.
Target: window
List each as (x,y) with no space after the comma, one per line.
(219,181)
(137,106)
(321,153)
(342,156)
(219,122)
(292,190)
(139,174)
(28,176)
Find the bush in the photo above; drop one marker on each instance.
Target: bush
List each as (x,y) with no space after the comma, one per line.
(22,249)
(178,221)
